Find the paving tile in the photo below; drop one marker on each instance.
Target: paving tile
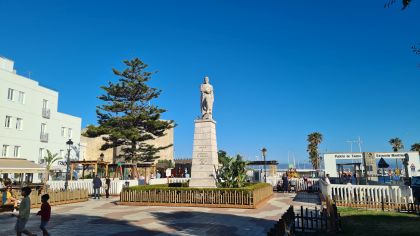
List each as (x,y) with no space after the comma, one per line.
(104,217)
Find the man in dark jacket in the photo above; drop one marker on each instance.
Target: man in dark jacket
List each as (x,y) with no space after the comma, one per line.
(97,184)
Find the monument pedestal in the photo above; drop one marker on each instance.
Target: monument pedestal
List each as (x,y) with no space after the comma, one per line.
(204,159)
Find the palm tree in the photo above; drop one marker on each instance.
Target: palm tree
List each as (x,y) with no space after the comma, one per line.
(314,139)
(415,147)
(49,159)
(397,145)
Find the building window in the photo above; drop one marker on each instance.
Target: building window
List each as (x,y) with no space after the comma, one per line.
(19,123)
(10,94)
(63,131)
(43,128)
(8,122)
(21,98)
(16,151)
(5,151)
(70,133)
(41,156)
(44,104)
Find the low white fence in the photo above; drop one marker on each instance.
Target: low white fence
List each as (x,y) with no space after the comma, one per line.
(168,181)
(366,194)
(115,188)
(300,183)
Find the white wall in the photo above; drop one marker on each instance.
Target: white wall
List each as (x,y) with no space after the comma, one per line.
(31,113)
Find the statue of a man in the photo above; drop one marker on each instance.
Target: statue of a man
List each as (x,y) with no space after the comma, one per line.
(207,99)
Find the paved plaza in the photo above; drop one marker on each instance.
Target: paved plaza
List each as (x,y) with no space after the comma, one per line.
(104,217)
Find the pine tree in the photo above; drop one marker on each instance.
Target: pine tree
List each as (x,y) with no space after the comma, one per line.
(126,118)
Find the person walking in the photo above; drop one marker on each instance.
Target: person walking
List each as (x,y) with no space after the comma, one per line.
(24,211)
(107,186)
(45,214)
(285,183)
(353,179)
(327,179)
(97,184)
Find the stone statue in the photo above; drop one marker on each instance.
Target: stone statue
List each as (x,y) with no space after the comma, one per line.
(207,99)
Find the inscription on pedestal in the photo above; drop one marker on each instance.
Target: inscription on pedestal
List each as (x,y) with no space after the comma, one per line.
(205,160)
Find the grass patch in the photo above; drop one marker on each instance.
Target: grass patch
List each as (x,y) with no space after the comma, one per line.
(163,187)
(363,222)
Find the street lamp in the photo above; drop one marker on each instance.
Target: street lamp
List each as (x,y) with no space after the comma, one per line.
(264,152)
(69,143)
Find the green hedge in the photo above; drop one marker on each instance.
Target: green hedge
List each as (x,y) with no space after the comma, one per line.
(249,188)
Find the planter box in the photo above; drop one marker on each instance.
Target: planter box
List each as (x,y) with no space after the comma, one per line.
(248,197)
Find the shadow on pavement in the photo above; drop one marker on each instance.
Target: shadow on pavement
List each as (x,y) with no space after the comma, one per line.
(304,197)
(76,224)
(205,223)
(179,222)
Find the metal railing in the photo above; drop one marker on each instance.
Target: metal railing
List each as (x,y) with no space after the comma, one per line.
(44,138)
(46,113)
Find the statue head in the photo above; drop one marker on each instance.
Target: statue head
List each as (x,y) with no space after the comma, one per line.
(206,79)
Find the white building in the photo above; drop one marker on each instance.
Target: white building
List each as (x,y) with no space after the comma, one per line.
(330,161)
(30,122)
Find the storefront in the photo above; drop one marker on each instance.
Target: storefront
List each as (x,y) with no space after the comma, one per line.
(19,171)
(369,161)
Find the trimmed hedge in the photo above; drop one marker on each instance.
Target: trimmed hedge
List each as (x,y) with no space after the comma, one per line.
(249,188)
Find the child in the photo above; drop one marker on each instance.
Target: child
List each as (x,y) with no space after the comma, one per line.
(45,213)
(24,211)
(10,199)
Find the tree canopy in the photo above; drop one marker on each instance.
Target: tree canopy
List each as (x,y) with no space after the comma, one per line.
(127,118)
(314,139)
(396,144)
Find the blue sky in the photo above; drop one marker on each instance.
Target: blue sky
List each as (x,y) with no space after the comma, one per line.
(280,69)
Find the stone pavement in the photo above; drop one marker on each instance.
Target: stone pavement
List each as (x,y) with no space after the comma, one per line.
(104,217)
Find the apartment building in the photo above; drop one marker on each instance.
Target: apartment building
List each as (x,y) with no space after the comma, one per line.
(30,123)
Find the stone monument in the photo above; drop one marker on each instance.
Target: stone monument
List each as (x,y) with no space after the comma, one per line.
(204,159)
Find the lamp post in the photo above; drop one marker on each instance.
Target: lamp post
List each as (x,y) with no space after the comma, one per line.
(264,152)
(69,143)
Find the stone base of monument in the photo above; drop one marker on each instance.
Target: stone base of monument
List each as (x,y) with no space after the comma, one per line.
(204,160)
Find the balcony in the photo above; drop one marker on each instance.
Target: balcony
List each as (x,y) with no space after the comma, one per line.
(44,138)
(46,113)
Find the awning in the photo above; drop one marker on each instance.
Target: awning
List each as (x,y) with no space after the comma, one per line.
(19,165)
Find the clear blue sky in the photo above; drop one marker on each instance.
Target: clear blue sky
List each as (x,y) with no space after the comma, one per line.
(280,69)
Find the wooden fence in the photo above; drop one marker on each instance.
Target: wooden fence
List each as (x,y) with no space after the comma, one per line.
(285,225)
(56,198)
(197,197)
(60,197)
(326,219)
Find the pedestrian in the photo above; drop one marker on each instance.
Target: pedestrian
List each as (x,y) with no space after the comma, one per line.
(24,211)
(285,183)
(353,179)
(327,179)
(97,184)
(45,214)
(11,198)
(107,186)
